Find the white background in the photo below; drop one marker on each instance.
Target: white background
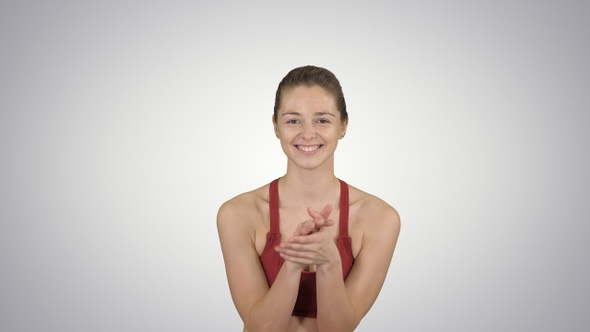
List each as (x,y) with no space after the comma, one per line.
(125,124)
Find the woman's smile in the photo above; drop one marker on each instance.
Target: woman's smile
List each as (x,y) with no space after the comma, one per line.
(309,149)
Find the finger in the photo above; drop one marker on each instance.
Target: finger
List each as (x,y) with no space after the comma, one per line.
(303,239)
(291,248)
(321,222)
(309,242)
(304,254)
(325,214)
(297,250)
(326,211)
(300,230)
(305,228)
(329,222)
(318,219)
(294,256)
(315,215)
(303,261)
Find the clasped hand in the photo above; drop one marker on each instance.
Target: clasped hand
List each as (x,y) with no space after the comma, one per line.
(312,242)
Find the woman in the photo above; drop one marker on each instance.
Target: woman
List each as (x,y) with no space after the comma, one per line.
(322,266)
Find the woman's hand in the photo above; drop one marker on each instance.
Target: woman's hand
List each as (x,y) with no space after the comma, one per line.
(312,243)
(319,220)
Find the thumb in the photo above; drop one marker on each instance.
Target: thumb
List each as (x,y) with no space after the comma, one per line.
(326,211)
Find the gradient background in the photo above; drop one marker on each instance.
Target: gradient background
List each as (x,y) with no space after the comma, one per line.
(125,124)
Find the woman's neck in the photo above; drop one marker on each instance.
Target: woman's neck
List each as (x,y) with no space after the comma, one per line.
(309,188)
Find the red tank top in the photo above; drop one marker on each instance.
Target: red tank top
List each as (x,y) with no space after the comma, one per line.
(306,304)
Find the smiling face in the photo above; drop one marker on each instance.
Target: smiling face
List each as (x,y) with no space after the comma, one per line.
(309,125)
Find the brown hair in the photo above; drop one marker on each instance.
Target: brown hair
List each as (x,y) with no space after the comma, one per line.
(312,76)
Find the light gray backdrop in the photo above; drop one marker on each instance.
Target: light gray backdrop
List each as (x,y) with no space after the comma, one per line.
(125,124)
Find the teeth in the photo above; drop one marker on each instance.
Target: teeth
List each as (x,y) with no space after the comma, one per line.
(309,148)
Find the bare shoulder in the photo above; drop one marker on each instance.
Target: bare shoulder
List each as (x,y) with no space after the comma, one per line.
(239,204)
(370,207)
(371,215)
(242,212)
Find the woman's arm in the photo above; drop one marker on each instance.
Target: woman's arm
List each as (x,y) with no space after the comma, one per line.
(342,305)
(261,308)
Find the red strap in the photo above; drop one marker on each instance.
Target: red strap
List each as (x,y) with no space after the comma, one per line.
(343,232)
(273,200)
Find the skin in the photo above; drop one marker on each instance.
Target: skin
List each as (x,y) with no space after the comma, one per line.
(309,128)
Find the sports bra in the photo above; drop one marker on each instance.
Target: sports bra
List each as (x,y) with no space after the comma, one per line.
(306,304)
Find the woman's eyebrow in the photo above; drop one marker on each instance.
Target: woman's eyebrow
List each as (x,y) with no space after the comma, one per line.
(291,113)
(324,113)
(315,114)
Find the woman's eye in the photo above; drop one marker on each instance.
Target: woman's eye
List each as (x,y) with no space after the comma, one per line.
(292,121)
(324,121)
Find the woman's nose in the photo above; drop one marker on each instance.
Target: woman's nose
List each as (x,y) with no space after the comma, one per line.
(308,131)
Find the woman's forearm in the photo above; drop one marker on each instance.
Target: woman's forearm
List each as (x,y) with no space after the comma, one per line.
(335,312)
(273,311)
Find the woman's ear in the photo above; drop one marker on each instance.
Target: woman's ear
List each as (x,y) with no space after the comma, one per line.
(343,128)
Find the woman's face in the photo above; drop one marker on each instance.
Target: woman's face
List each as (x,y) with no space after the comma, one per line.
(308,124)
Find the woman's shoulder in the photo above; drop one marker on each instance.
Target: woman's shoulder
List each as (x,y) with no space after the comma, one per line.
(370,208)
(244,204)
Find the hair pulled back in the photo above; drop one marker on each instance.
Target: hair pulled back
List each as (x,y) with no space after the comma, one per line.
(312,76)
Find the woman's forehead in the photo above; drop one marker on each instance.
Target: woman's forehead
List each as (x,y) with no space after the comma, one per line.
(309,99)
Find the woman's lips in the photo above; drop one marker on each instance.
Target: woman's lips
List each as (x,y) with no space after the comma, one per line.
(308,148)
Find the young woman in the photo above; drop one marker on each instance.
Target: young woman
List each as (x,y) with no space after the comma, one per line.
(307,252)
